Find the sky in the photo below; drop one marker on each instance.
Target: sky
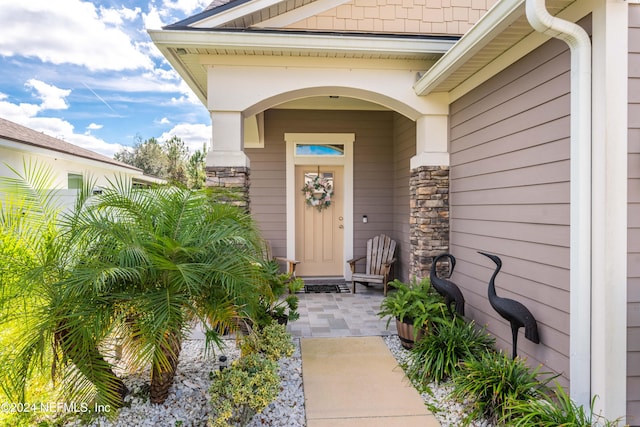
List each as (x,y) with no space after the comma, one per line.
(88,73)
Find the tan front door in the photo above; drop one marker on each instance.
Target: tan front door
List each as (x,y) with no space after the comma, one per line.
(319,234)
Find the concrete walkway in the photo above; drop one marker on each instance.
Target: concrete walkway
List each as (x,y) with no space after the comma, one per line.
(356,381)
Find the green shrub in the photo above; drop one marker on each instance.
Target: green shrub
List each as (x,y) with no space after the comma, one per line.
(277,299)
(243,390)
(273,341)
(559,411)
(493,380)
(437,356)
(416,303)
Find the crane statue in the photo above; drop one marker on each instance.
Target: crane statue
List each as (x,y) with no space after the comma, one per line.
(446,288)
(516,313)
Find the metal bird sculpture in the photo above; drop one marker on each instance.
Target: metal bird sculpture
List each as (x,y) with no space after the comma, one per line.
(446,288)
(516,313)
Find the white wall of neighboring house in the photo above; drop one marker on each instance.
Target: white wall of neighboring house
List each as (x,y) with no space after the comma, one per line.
(61,166)
(21,148)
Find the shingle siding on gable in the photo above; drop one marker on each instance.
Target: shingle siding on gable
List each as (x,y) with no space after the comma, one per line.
(452,17)
(633,282)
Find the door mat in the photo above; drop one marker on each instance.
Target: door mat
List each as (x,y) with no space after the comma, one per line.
(331,288)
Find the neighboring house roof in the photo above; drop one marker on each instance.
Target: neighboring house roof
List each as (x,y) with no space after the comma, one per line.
(21,134)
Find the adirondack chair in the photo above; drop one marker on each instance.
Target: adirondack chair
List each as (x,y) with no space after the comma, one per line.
(290,263)
(378,264)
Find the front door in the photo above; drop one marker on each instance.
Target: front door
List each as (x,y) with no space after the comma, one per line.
(319,232)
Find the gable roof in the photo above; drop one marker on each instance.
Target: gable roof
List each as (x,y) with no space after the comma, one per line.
(24,135)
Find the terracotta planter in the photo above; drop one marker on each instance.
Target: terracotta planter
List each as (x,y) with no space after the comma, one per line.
(405,333)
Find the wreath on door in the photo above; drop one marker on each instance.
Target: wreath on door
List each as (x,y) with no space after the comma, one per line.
(318,192)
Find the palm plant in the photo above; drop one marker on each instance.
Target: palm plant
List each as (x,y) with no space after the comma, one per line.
(159,259)
(39,319)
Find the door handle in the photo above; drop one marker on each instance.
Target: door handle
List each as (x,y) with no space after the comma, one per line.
(340,218)
(341,226)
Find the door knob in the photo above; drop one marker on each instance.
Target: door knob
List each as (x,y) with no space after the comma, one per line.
(340,218)
(341,226)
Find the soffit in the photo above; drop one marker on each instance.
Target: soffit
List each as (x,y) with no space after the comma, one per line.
(189,51)
(485,50)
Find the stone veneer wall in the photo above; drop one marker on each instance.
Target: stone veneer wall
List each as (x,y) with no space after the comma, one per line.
(234,181)
(429,217)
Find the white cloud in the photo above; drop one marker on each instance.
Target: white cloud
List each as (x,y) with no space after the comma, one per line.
(153,19)
(193,135)
(164,121)
(93,143)
(188,7)
(94,126)
(118,16)
(69,32)
(53,98)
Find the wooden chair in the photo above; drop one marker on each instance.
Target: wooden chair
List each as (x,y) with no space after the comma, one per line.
(290,263)
(379,262)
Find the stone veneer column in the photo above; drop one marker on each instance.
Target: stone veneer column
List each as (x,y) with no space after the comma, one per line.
(429,217)
(233,180)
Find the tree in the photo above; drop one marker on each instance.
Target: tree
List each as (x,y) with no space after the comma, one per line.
(147,155)
(43,323)
(176,152)
(164,257)
(196,168)
(169,160)
(142,264)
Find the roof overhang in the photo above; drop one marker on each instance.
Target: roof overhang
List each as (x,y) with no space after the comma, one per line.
(184,49)
(501,37)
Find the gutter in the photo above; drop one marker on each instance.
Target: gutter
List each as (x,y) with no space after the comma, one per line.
(269,41)
(580,187)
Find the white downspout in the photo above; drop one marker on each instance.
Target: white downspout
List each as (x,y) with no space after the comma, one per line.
(580,212)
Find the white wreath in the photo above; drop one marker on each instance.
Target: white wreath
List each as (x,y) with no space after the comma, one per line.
(318,192)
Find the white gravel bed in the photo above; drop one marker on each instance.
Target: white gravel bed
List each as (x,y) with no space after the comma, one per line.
(188,401)
(447,411)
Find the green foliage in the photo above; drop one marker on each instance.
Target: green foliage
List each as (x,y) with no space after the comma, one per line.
(158,259)
(272,341)
(196,169)
(437,356)
(277,299)
(417,303)
(169,160)
(142,264)
(492,381)
(243,390)
(50,330)
(147,155)
(177,155)
(556,411)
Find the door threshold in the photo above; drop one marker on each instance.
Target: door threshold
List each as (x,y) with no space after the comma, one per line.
(322,279)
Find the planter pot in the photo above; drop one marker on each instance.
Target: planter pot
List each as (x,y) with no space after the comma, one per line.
(281,319)
(405,333)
